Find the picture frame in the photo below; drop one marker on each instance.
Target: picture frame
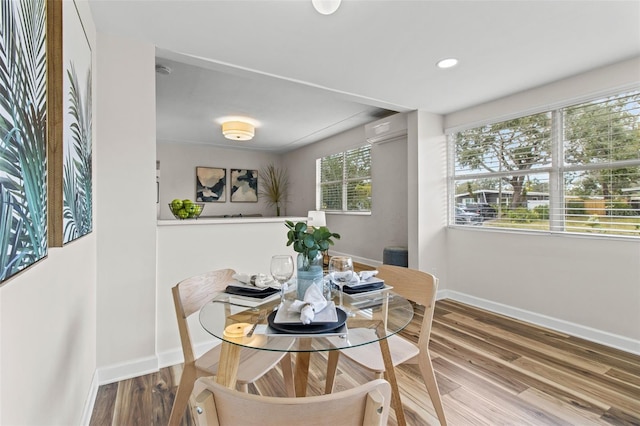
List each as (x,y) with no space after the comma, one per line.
(77,179)
(28,47)
(211,184)
(244,186)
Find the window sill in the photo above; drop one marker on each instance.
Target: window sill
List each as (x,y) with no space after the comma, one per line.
(347,213)
(560,234)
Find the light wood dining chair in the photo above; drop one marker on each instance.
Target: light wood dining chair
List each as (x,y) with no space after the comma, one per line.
(189,296)
(364,405)
(419,287)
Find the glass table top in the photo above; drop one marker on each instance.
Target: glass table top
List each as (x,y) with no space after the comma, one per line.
(377,314)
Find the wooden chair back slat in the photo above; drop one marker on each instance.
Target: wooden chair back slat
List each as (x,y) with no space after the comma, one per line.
(196,291)
(367,404)
(417,286)
(190,295)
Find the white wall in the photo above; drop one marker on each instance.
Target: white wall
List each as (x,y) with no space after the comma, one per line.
(593,283)
(584,285)
(363,237)
(427,201)
(126,203)
(178,164)
(48,337)
(48,327)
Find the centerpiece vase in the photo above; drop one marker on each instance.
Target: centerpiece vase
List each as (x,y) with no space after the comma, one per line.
(309,273)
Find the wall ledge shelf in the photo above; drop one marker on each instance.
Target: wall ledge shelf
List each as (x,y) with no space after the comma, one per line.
(228,220)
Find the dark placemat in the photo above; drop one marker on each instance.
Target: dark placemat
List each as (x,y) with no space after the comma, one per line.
(259,293)
(363,288)
(308,328)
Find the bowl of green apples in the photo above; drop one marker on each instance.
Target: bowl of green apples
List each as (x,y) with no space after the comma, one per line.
(185,209)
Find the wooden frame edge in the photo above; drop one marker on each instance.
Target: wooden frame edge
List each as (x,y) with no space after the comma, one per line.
(55,234)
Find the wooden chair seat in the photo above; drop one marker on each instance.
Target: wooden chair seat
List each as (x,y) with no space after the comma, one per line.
(370,356)
(254,363)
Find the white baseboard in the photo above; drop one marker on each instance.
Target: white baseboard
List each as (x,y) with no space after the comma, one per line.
(90,401)
(127,370)
(598,336)
(175,356)
(169,358)
(135,368)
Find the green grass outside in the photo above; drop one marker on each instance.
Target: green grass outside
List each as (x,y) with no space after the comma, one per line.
(609,225)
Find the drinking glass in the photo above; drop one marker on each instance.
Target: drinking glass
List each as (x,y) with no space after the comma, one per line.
(282,271)
(341,272)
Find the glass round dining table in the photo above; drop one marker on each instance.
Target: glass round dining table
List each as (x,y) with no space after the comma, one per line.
(375,315)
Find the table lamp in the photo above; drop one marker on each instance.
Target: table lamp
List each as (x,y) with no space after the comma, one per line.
(316,218)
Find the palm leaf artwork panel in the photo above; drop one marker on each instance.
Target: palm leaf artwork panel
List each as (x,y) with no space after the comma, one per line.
(23,159)
(77,163)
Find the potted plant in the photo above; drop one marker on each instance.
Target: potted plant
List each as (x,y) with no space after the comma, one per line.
(309,242)
(275,185)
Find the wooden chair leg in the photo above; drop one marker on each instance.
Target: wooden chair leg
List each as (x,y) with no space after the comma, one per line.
(429,377)
(185,387)
(390,376)
(301,375)
(287,375)
(332,367)
(243,387)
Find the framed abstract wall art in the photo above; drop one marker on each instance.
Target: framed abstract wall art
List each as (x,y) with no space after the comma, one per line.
(210,184)
(244,185)
(23,130)
(77,149)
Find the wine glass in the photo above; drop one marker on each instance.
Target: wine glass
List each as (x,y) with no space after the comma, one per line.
(282,271)
(341,273)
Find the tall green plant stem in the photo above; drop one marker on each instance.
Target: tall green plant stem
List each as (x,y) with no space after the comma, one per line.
(275,186)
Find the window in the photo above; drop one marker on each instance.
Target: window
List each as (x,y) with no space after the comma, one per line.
(344,181)
(574,169)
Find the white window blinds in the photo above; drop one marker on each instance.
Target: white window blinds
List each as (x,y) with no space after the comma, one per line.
(575,169)
(345,180)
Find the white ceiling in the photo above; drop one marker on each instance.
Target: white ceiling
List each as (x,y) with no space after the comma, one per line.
(194,100)
(304,76)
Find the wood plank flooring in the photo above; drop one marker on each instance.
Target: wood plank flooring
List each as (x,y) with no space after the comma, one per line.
(492,370)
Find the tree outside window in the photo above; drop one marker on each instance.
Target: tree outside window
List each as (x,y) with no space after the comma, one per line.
(345,181)
(574,169)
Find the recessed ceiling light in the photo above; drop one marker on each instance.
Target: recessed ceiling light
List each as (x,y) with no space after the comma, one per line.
(447,63)
(326,7)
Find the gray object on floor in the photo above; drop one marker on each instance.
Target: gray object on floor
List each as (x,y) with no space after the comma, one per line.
(398,256)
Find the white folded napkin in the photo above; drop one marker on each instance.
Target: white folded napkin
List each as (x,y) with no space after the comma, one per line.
(356,278)
(258,280)
(365,275)
(313,302)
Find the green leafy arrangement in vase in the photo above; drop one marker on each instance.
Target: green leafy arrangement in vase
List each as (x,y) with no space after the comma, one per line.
(309,243)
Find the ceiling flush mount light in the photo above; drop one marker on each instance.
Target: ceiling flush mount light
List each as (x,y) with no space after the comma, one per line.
(238,130)
(326,7)
(447,63)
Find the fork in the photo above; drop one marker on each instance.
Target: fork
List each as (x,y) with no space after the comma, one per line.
(226,302)
(261,318)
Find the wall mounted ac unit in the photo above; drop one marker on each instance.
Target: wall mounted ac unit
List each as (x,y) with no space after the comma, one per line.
(387,129)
